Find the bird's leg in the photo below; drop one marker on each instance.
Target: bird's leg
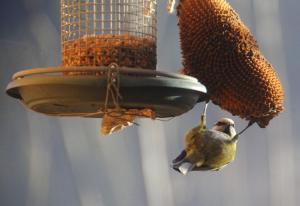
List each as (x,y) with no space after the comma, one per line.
(203,117)
(236,137)
(249,124)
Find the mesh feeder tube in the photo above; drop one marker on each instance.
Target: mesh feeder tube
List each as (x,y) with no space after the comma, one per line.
(219,50)
(104,32)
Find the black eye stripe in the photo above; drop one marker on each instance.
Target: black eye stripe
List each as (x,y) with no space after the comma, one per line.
(223,123)
(220,123)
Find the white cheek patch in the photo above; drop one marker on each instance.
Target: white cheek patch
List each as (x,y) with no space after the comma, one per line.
(218,128)
(232,131)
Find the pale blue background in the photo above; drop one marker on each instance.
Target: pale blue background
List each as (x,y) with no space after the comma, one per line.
(65,162)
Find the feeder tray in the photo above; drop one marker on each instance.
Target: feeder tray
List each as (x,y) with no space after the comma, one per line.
(51,92)
(108,65)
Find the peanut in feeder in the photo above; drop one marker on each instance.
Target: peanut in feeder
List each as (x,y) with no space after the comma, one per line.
(108,68)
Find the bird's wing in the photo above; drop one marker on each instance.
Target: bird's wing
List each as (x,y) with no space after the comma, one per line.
(217,135)
(214,141)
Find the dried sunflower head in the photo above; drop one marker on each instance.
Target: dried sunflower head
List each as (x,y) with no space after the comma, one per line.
(220,51)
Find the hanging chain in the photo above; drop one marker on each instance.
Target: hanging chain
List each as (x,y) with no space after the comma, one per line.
(149,9)
(113,87)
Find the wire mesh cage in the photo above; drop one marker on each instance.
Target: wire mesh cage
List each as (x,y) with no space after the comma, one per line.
(102,32)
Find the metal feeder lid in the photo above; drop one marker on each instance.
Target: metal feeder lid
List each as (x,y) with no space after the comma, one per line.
(52,92)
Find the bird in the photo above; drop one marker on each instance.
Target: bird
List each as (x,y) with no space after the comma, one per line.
(208,149)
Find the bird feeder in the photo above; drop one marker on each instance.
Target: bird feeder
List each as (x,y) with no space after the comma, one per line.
(108,67)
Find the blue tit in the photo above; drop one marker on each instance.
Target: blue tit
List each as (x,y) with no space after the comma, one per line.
(208,149)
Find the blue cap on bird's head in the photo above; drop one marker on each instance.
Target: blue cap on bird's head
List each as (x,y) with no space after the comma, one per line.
(225,125)
(225,121)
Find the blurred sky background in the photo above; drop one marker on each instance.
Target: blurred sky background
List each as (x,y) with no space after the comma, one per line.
(48,161)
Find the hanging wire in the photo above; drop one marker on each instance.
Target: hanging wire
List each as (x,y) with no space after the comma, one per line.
(170,6)
(113,87)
